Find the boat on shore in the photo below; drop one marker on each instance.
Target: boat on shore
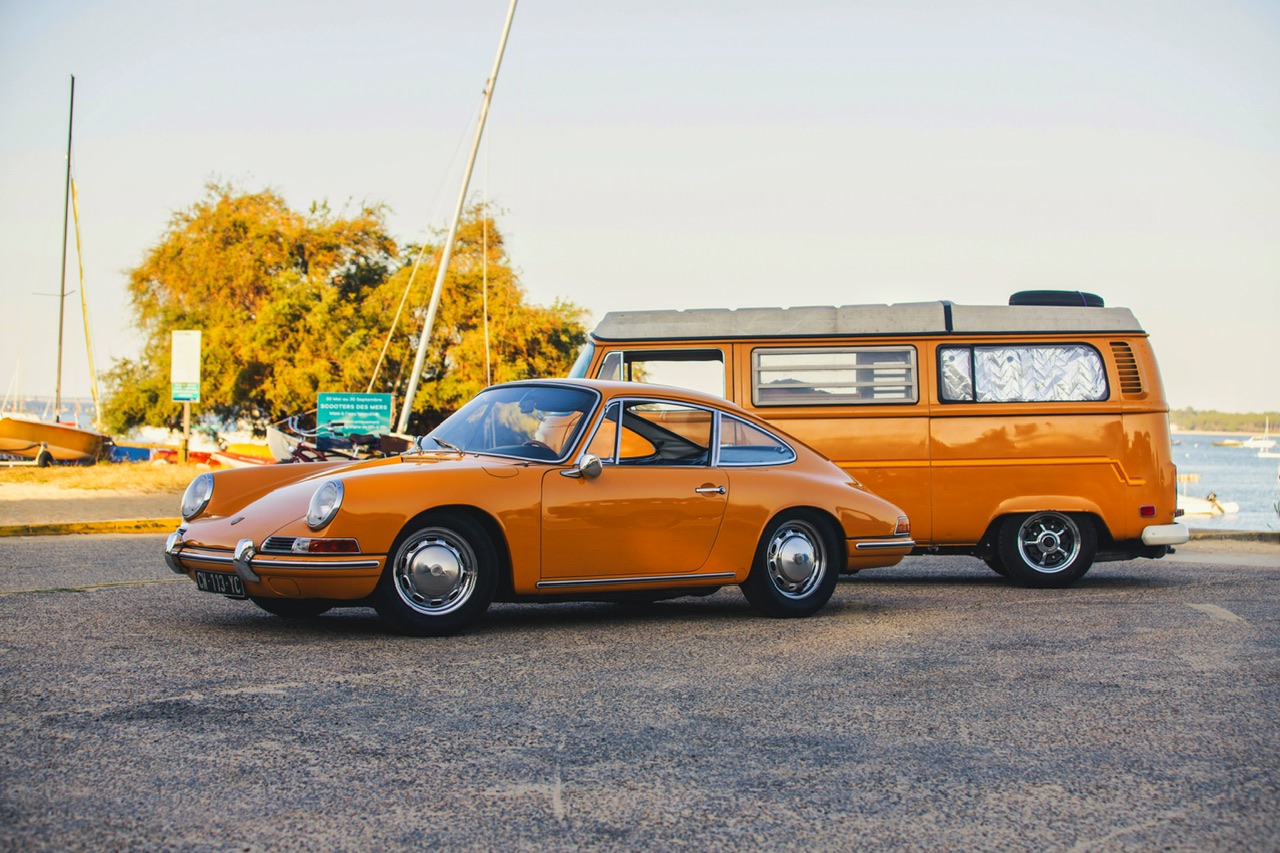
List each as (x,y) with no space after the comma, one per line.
(44,442)
(1206,506)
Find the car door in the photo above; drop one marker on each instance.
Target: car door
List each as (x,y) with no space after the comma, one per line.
(656,508)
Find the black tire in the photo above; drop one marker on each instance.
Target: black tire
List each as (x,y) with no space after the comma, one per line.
(293,608)
(441,576)
(993,563)
(796,566)
(44,459)
(1062,298)
(1047,549)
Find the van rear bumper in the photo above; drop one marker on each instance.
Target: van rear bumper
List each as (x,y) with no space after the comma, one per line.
(1165,534)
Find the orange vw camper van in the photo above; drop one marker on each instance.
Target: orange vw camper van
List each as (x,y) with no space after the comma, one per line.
(1034,435)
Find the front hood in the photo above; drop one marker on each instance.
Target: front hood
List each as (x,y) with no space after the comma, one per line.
(282,510)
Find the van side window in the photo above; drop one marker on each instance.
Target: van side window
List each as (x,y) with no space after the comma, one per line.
(695,369)
(1046,373)
(834,376)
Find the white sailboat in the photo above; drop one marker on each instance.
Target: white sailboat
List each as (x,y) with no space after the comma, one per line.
(1264,443)
(25,435)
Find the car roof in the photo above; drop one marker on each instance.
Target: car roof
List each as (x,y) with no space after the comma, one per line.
(610,389)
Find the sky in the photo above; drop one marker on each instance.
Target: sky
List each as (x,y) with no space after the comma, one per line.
(679,155)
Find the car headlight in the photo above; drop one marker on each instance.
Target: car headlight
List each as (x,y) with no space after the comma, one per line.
(197,496)
(324,504)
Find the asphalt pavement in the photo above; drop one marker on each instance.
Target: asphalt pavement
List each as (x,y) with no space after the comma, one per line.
(929,707)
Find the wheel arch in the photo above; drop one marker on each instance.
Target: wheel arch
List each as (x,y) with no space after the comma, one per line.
(826,517)
(487,522)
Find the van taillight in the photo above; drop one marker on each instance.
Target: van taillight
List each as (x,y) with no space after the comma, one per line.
(1147,511)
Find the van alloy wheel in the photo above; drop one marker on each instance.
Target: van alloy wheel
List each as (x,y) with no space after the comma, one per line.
(1047,549)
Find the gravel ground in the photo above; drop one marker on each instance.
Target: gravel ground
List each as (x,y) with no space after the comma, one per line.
(929,707)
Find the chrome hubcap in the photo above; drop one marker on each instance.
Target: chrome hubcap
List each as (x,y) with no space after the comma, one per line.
(1049,542)
(435,572)
(795,559)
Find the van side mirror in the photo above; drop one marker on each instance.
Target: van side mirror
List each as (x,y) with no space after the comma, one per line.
(589,467)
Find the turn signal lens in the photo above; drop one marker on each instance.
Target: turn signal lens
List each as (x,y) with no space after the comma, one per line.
(1147,511)
(903,527)
(325,546)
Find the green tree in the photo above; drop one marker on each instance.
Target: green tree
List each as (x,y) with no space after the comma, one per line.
(294,304)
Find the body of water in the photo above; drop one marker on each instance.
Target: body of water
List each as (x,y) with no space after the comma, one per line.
(1235,474)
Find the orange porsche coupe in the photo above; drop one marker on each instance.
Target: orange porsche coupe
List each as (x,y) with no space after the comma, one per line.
(547,490)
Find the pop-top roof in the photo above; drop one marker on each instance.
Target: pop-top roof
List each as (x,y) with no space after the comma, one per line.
(830,321)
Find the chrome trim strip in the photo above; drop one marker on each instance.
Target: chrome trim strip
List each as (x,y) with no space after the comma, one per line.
(625,580)
(300,564)
(196,557)
(884,545)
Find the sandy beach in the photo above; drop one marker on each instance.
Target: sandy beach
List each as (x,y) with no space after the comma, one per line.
(48,503)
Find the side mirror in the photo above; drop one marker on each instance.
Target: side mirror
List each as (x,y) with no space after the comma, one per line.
(588,467)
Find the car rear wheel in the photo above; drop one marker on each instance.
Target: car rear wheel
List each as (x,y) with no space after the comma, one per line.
(293,608)
(796,567)
(1047,549)
(441,576)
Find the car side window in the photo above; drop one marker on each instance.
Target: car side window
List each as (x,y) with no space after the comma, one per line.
(655,433)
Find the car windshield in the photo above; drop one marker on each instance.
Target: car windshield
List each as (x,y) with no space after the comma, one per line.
(527,421)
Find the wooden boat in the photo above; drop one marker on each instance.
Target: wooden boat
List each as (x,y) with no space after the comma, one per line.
(47,441)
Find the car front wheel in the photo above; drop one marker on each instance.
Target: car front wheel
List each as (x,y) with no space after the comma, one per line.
(796,567)
(1047,549)
(441,576)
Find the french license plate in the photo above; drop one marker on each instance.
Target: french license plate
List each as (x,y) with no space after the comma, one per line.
(221,583)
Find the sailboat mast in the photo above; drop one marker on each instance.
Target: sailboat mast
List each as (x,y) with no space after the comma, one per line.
(425,337)
(62,291)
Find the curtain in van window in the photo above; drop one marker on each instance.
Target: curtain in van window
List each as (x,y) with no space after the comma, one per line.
(1031,374)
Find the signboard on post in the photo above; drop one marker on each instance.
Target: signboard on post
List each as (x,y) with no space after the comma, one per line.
(354,414)
(184,375)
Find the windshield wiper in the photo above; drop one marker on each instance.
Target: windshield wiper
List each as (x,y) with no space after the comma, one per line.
(446,445)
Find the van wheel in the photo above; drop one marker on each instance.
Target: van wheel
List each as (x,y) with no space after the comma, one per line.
(1046,549)
(796,567)
(440,577)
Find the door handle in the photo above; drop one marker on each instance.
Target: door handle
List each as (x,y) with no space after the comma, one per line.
(710,490)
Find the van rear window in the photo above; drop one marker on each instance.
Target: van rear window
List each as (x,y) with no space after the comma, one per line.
(1044,373)
(834,376)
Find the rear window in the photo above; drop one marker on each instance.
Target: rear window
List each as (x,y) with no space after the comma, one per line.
(1041,373)
(834,376)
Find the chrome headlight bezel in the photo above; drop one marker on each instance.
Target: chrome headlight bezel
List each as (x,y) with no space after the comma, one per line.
(197,496)
(325,503)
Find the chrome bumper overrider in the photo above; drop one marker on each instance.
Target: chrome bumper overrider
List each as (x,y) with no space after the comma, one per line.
(181,557)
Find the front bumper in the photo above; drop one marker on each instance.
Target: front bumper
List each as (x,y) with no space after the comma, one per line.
(1165,534)
(343,577)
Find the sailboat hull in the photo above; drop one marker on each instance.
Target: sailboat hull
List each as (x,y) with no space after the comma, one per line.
(65,443)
